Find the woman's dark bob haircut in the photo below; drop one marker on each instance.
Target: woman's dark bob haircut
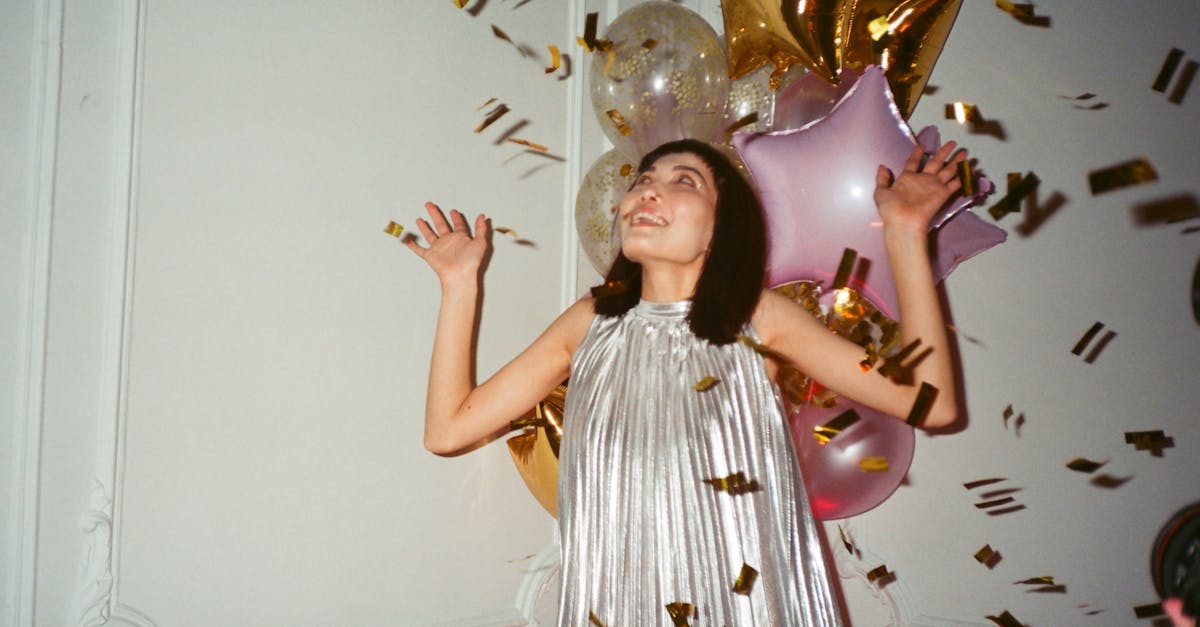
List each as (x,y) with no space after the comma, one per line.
(731,280)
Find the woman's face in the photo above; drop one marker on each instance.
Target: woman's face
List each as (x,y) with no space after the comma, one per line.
(669,212)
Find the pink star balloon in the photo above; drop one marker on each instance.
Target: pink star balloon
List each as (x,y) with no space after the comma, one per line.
(817,184)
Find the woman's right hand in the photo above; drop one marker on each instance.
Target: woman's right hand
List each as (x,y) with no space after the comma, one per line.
(453,253)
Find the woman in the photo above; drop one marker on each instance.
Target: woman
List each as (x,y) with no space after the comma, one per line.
(673,495)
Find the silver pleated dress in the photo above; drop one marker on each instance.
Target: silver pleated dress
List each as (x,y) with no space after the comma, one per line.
(641,528)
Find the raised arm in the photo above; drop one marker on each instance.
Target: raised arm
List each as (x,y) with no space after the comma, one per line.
(906,203)
(459,414)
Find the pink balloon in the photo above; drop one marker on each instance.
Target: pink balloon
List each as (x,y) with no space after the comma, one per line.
(837,485)
(805,97)
(817,183)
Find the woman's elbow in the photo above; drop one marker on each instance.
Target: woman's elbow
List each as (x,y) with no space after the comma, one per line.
(440,446)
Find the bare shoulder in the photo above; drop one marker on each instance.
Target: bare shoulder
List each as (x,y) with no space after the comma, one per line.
(777,316)
(573,323)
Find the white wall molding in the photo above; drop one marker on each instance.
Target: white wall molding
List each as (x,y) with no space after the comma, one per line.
(44,88)
(97,601)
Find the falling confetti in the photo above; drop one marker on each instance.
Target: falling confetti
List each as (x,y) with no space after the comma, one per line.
(873,464)
(618,120)
(1005,620)
(707,383)
(1085,466)
(826,432)
(734,484)
(393,229)
(1018,188)
(922,404)
(528,144)
(680,612)
(492,116)
(555,60)
(745,580)
(1122,175)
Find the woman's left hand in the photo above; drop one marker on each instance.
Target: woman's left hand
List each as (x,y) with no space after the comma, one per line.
(911,200)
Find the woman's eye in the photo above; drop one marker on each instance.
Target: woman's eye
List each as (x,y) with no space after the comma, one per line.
(687,180)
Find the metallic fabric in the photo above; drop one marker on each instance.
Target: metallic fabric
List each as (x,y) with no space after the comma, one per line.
(640,528)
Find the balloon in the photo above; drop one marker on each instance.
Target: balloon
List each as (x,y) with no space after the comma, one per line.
(750,94)
(596,206)
(535,450)
(756,33)
(804,98)
(817,184)
(917,30)
(662,79)
(837,484)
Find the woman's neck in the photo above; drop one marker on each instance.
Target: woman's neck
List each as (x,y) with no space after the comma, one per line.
(669,283)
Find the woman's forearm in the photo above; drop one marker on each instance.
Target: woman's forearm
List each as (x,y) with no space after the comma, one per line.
(921,320)
(451,376)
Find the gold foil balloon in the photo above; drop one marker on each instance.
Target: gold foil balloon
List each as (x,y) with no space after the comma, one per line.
(662,78)
(535,450)
(757,33)
(596,204)
(904,37)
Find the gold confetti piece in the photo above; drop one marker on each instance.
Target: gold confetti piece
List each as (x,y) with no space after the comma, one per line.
(1148,611)
(742,122)
(626,169)
(1084,96)
(527,144)
(826,432)
(845,266)
(1018,188)
(611,288)
(979,483)
(680,612)
(618,120)
(963,112)
(1086,466)
(1125,174)
(595,620)
(1023,12)
(1185,81)
(1005,619)
(879,572)
(484,105)
(492,116)
(922,404)
(873,464)
(846,542)
(745,580)
(555,60)
(734,484)
(461,3)
(893,365)
(995,502)
(393,229)
(763,349)
(878,27)
(589,40)
(966,178)
(1170,63)
(706,383)
(985,555)
(1087,338)
(507,231)
(1049,581)
(1153,441)
(501,34)
(650,44)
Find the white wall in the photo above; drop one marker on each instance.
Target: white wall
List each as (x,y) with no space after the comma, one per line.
(235,353)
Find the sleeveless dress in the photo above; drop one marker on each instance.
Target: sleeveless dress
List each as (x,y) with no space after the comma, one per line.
(656,522)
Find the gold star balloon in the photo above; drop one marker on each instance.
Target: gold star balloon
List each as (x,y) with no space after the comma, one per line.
(757,33)
(832,37)
(904,37)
